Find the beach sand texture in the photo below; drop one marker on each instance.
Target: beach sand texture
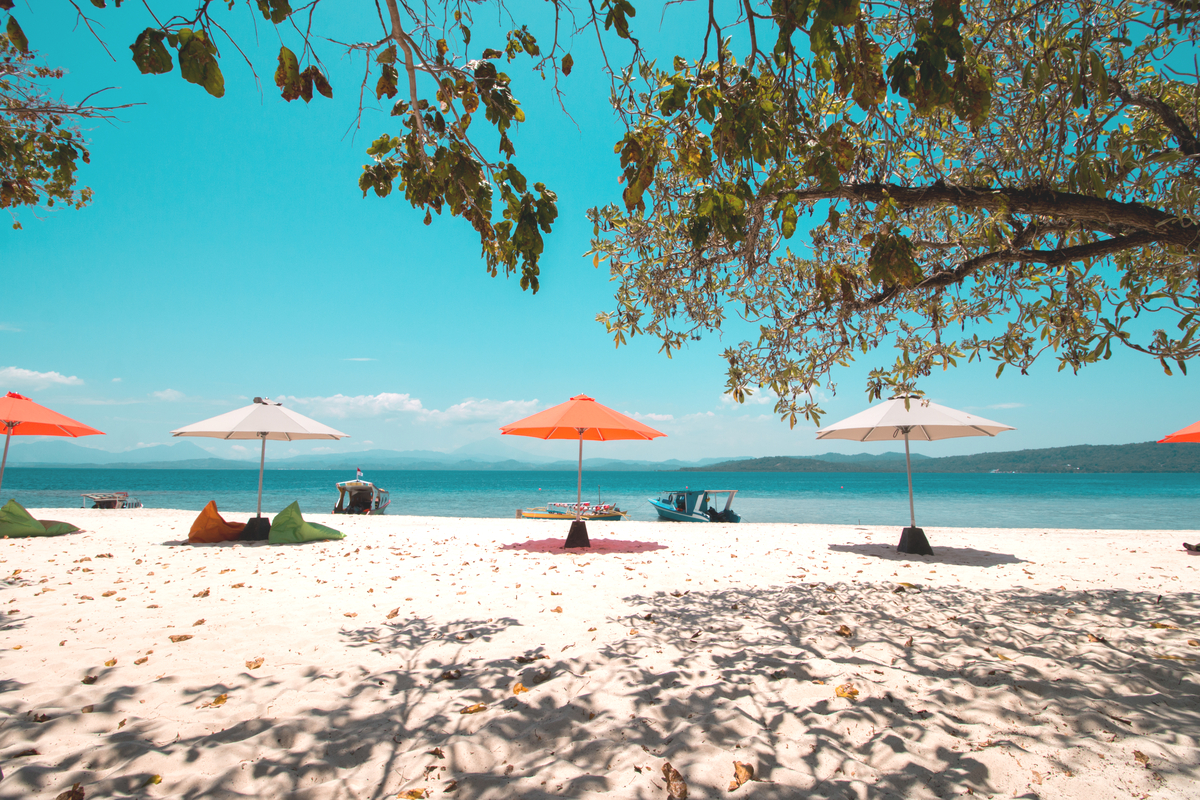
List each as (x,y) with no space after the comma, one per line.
(473,658)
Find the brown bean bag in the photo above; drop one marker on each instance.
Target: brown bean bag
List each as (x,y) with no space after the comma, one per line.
(209,527)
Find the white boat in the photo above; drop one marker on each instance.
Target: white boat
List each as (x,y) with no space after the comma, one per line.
(111,500)
(361,497)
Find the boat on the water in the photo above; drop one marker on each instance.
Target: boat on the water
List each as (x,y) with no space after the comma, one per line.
(587,511)
(361,497)
(696,505)
(111,500)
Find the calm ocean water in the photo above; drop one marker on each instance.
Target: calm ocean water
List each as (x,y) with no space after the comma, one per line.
(1133,501)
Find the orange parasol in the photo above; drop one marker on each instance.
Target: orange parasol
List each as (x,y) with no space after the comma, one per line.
(580,418)
(22,416)
(1189,434)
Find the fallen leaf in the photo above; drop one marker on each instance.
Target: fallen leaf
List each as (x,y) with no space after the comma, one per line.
(633,631)
(121,724)
(179,637)
(88,680)
(908,643)
(238,586)
(451,786)
(201,594)
(109,593)
(254,663)
(741,774)
(350,614)
(1092,637)
(1164,626)
(87,709)
(676,787)
(24,753)
(450,675)
(86,597)
(847,691)
(112,662)
(393,613)
(74,793)
(140,661)
(555,594)
(556,610)
(1142,758)
(519,688)
(153,780)
(473,709)
(40,717)
(1037,777)
(437,752)
(219,700)
(590,630)
(198,622)
(413,794)
(1194,642)
(845,630)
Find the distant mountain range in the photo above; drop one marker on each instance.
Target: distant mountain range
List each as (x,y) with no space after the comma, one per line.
(1140,457)
(186,455)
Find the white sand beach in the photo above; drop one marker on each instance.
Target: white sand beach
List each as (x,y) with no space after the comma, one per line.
(474,658)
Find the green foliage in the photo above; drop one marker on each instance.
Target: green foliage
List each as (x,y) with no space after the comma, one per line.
(983,180)
(40,150)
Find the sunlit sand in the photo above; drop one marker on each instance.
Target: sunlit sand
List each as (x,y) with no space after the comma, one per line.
(474,656)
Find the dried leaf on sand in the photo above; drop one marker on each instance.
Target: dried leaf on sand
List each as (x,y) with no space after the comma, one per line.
(74,793)
(179,637)
(219,700)
(741,774)
(473,709)
(847,691)
(676,787)
(254,663)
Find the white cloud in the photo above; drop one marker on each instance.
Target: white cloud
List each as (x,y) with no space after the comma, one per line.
(474,410)
(1007,405)
(168,395)
(759,398)
(471,410)
(654,417)
(4,326)
(15,376)
(237,448)
(116,380)
(361,405)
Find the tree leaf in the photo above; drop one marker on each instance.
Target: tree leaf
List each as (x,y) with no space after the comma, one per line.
(567,64)
(287,75)
(16,35)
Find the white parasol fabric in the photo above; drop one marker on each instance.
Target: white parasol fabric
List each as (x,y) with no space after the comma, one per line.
(925,421)
(264,419)
(911,418)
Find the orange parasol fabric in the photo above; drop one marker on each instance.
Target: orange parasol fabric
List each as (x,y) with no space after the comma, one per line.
(1189,434)
(23,417)
(581,417)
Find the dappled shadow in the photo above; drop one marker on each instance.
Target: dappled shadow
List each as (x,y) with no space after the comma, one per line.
(959,691)
(958,556)
(599,546)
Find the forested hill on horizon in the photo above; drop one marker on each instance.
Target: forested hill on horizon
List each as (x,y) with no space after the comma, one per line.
(1139,457)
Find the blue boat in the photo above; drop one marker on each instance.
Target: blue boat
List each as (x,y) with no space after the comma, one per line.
(696,505)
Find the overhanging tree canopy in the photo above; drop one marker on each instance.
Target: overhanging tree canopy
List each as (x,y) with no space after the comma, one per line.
(976,179)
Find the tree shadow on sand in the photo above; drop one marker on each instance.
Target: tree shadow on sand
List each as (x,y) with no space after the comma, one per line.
(992,692)
(957,556)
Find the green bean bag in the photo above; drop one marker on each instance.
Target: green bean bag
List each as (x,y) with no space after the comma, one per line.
(289,527)
(15,521)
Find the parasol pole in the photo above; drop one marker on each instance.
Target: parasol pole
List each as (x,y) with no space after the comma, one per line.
(262,461)
(579,485)
(8,436)
(908,468)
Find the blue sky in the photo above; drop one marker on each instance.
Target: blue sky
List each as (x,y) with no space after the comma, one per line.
(229,253)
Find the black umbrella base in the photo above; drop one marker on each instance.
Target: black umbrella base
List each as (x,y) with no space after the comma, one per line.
(256,530)
(578,536)
(912,540)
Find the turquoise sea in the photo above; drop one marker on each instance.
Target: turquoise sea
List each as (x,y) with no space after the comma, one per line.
(1133,501)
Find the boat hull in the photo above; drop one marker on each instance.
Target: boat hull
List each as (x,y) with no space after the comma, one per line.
(674,515)
(541,513)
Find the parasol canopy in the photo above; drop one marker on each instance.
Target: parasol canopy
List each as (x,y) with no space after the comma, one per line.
(23,417)
(916,418)
(1189,434)
(581,418)
(264,419)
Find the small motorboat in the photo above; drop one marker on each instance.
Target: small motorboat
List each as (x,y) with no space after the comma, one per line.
(111,500)
(360,497)
(696,505)
(587,511)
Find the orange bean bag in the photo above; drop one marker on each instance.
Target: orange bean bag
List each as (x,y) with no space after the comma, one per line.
(209,527)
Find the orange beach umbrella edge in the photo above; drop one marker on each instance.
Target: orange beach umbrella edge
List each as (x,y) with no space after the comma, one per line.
(1189,434)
